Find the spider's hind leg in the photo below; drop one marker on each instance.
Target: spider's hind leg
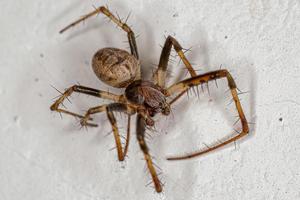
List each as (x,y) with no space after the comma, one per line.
(124,26)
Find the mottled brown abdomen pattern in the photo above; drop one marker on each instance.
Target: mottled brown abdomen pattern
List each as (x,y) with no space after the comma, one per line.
(116,67)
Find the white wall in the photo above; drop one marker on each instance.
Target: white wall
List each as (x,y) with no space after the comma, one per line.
(44,157)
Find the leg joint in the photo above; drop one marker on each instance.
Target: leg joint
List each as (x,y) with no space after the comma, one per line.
(175,43)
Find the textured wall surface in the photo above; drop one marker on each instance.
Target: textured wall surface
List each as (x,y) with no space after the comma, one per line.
(45,157)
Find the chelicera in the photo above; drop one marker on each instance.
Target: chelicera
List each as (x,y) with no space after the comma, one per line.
(121,69)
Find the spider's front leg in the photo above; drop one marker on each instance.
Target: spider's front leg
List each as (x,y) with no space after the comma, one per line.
(204,78)
(84,90)
(160,73)
(109,109)
(140,130)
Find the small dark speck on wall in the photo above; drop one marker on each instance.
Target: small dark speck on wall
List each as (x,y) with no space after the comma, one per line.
(175,15)
(280,119)
(16,118)
(226,37)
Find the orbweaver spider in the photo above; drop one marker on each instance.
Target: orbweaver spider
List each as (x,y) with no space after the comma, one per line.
(120,69)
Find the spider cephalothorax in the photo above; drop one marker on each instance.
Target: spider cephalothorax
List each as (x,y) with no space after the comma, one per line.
(120,69)
(149,95)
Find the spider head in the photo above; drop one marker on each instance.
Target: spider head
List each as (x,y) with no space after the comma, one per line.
(149,95)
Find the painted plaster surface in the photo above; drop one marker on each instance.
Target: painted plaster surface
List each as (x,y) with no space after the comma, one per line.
(45,157)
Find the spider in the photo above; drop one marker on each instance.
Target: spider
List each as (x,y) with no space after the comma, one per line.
(121,69)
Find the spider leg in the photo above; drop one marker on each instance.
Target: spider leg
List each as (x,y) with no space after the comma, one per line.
(124,26)
(127,135)
(84,90)
(204,78)
(160,73)
(109,109)
(140,130)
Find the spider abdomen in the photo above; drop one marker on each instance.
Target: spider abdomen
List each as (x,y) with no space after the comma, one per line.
(116,67)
